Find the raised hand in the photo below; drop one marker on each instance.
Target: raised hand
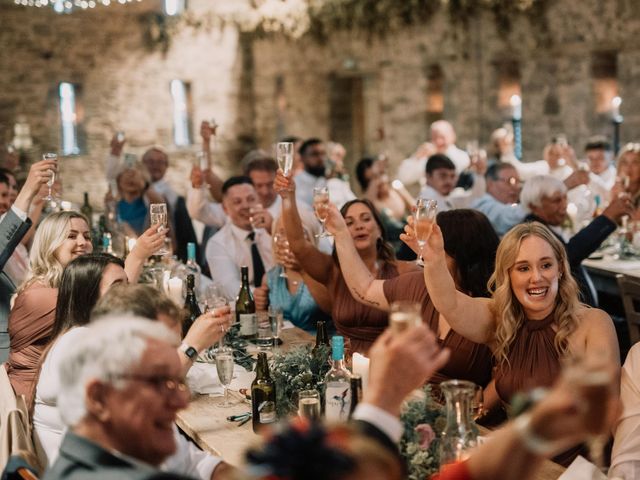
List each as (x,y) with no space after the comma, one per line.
(149,242)
(284,185)
(335,223)
(209,328)
(197,178)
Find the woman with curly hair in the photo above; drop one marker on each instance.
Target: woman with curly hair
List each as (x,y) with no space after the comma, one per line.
(534,318)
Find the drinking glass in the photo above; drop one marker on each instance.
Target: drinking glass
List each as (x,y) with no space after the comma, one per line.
(424,217)
(224,366)
(158,213)
(321,208)
(281,245)
(265,333)
(276,319)
(309,404)
(284,154)
(257,208)
(403,315)
(51,181)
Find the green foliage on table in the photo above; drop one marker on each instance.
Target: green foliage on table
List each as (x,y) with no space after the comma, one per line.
(422,462)
(297,370)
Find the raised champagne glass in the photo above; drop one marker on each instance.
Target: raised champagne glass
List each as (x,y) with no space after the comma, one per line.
(51,181)
(321,208)
(158,214)
(284,154)
(424,217)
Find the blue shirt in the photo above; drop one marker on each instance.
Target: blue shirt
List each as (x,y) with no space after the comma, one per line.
(502,216)
(300,309)
(134,213)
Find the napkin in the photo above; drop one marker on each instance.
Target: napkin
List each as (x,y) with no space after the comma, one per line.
(582,469)
(203,378)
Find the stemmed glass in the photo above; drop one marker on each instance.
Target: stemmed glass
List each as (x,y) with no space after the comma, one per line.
(276,319)
(284,154)
(424,217)
(321,208)
(51,181)
(282,249)
(158,214)
(214,298)
(224,366)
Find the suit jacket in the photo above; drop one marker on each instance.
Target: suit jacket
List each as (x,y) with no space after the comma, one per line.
(579,247)
(81,459)
(12,229)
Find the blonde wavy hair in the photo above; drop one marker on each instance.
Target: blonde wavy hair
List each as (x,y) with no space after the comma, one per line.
(506,307)
(50,234)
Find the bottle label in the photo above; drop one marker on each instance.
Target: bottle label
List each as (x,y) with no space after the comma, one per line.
(337,401)
(248,324)
(268,413)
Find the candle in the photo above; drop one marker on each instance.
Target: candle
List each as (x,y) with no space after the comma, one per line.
(360,365)
(516,107)
(615,107)
(175,290)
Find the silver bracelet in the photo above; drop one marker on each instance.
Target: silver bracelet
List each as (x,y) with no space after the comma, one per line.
(532,442)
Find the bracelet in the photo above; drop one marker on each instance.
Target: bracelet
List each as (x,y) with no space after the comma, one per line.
(532,442)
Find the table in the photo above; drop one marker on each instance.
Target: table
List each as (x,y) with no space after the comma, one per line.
(207,424)
(603,272)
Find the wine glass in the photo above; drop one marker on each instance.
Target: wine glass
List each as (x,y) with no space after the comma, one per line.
(158,213)
(284,154)
(309,404)
(224,367)
(424,217)
(51,181)
(403,315)
(321,208)
(281,245)
(276,319)
(214,297)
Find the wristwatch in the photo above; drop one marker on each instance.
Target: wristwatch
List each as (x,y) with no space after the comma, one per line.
(189,351)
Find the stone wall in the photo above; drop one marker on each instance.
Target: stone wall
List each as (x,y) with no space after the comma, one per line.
(234,78)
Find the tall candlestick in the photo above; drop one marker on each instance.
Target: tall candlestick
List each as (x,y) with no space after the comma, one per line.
(616,121)
(516,121)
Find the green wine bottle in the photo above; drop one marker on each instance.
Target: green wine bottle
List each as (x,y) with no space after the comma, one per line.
(263,395)
(190,305)
(246,308)
(86,210)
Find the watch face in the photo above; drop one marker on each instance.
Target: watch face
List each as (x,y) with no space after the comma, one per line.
(191,353)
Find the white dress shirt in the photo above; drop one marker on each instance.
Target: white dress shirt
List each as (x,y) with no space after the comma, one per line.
(229,249)
(340,192)
(187,460)
(459,157)
(166,190)
(388,424)
(458,198)
(526,170)
(601,184)
(305,183)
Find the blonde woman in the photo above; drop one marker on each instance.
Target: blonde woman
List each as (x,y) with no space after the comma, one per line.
(60,238)
(533,319)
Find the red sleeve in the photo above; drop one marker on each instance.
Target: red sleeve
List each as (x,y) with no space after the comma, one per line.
(454,471)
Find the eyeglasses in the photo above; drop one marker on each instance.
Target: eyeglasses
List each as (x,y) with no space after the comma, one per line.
(163,384)
(513,181)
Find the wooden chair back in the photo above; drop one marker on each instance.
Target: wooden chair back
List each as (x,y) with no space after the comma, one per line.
(630,293)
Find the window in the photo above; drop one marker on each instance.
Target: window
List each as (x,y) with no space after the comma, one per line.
(68,119)
(435,93)
(181,94)
(604,72)
(508,83)
(174,7)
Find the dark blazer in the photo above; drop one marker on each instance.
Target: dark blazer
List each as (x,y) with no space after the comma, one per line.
(81,459)
(12,229)
(579,247)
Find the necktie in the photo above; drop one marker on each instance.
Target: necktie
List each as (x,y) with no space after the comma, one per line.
(256,260)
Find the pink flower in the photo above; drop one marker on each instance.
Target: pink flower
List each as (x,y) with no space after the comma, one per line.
(426,434)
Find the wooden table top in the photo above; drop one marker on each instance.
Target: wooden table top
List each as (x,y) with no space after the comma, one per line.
(207,424)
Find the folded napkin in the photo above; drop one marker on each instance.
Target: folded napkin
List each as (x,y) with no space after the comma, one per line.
(203,378)
(582,469)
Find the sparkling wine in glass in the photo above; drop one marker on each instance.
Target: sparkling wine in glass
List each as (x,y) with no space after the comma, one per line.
(224,366)
(276,319)
(281,247)
(321,208)
(403,315)
(54,157)
(158,214)
(284,154)
(309,404)
(424,217)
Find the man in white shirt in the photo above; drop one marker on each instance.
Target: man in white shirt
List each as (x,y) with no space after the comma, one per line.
(443,137)
(231,247)
(441,185)
(603,172)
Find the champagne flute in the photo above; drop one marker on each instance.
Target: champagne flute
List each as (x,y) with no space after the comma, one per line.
(158,213)
(281,248)
(224,367)
(424,217)
(51,181)
(276,319)
(321,208)
(404,314)
(284,154)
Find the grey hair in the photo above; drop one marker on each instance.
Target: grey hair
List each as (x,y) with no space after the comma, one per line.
(107,349)
(538,187)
